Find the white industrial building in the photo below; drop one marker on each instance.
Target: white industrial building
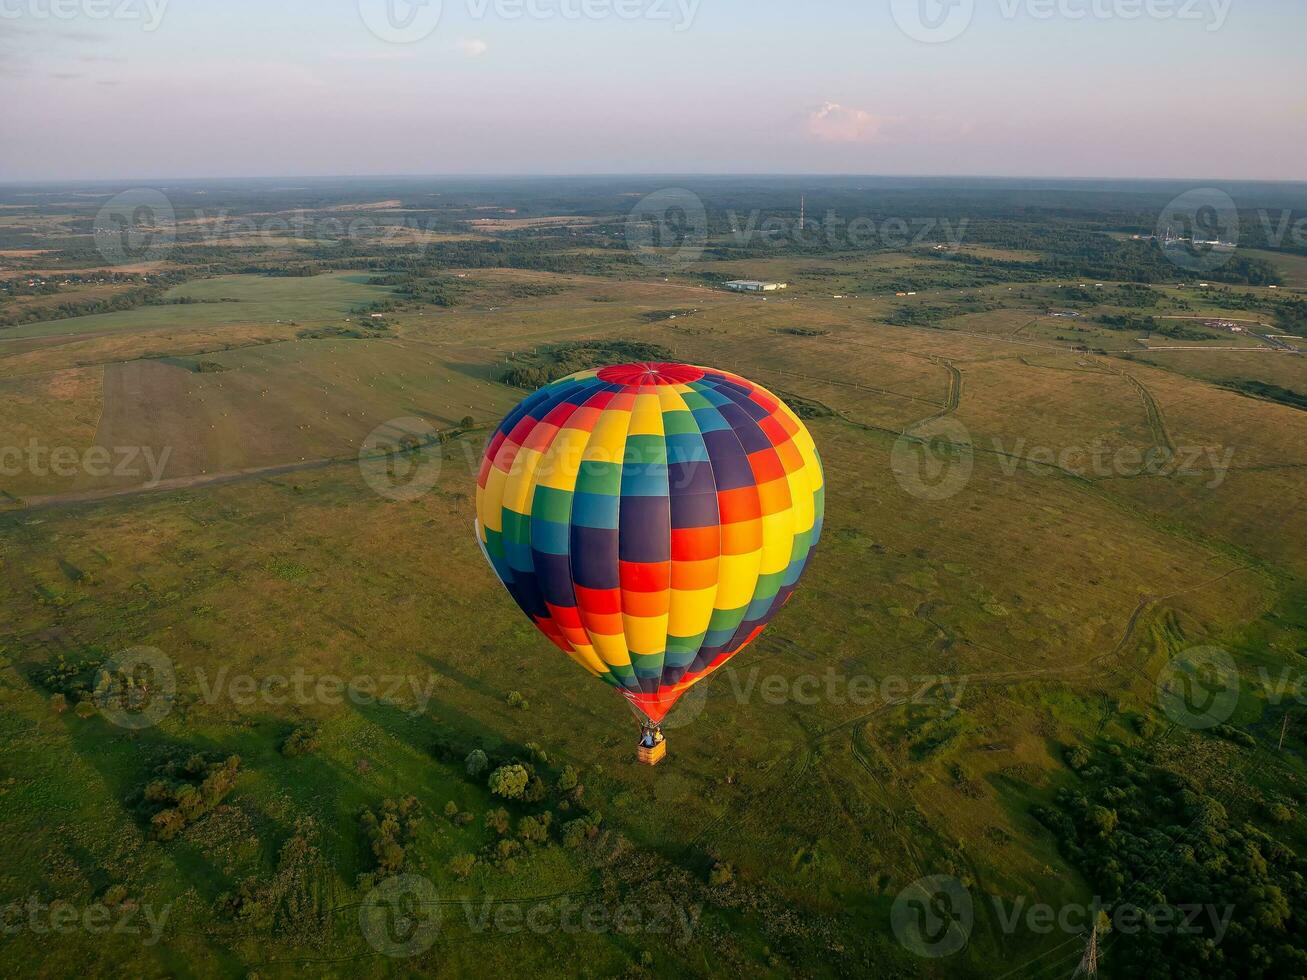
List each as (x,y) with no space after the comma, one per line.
(755,286)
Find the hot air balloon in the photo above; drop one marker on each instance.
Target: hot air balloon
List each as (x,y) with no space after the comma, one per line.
(650,519)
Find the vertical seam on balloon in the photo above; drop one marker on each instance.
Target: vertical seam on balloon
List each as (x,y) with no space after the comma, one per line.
(535,485)
(720,525)
(742,630)
(664,396)
(584,626)
(571,576)
(552,402)
(730,646)
(717,580)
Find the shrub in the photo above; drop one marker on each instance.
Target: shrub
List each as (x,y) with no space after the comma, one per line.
(538,755)
(535,791)
(461,866)
(1077,758)
(301,741)
(567,779)
(721,874)
(578,830)
(497,820)
(532,830)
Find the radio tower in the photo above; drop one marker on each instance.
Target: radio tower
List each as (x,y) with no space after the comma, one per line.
(802,203)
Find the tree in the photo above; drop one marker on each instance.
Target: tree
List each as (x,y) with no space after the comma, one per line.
(509,781)
(497,820)
(477,763)
(466,422)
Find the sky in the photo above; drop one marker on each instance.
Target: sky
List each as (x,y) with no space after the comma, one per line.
(116,89)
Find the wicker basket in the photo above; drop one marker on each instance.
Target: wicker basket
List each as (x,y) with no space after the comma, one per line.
(651,756)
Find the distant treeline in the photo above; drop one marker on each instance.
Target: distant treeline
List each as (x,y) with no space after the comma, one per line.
(554,361)
(1267,392)
(1078,254)
(128,300)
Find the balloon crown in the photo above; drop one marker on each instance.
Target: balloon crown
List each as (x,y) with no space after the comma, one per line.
(643,373)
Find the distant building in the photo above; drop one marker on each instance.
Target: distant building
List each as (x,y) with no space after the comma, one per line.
(755,286)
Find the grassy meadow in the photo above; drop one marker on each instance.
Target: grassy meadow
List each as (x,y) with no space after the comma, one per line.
(959,666)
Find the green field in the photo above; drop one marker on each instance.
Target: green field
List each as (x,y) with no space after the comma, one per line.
(984,632)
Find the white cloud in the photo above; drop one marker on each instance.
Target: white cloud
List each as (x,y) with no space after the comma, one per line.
(834,123)
(472,47)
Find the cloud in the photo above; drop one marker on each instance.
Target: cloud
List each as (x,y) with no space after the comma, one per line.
(834,123)
(472,47)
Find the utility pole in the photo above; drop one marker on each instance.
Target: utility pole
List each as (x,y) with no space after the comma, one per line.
(1089,961)
(1284,727)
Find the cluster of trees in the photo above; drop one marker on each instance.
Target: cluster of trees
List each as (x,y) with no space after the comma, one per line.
(554,361)
(918,316)
(431,289)
(540,806)
(365,330)
(1148,837)
(389,830)
(185,791)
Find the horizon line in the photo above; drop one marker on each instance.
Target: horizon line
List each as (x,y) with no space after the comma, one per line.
(664,174)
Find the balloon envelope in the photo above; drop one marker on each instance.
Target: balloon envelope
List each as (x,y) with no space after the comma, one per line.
(650,519)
